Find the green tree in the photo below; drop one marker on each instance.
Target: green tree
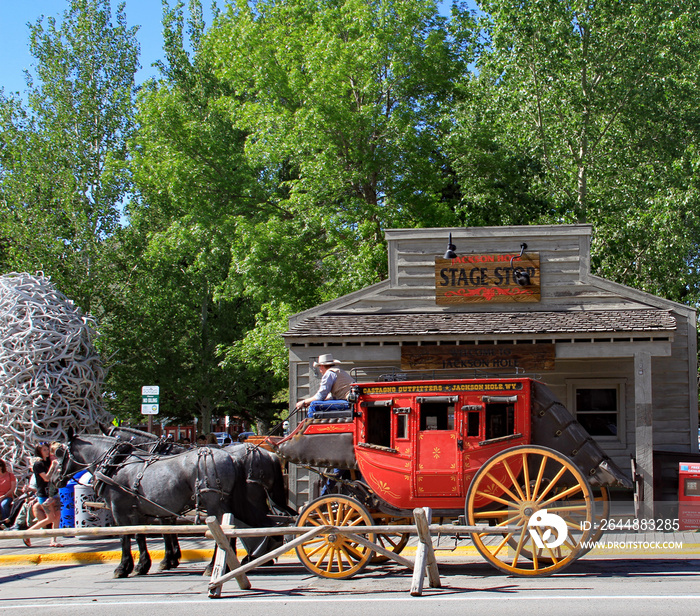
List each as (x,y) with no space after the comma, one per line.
(342,103)
(269,158)
(583,111)
(63,156)
(183,305)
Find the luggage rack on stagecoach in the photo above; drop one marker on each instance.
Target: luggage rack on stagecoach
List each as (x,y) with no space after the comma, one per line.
(387,374)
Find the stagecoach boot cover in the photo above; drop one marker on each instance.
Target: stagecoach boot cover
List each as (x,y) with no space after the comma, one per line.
(334,449)
(555,427)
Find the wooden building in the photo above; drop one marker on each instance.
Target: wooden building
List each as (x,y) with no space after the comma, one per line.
(519,300)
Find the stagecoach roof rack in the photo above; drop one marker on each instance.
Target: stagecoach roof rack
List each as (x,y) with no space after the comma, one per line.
(384,374)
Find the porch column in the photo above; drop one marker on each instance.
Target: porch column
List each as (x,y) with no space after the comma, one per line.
(644,437)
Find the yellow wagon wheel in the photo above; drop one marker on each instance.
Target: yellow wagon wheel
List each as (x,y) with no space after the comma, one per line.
(334,555)
(601,499)
(394,542)
(541,493)
(601,512)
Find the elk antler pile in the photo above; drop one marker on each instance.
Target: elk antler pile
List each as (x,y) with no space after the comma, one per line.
(50,374)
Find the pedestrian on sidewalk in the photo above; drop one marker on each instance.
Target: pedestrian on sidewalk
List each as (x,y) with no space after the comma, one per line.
(49,512)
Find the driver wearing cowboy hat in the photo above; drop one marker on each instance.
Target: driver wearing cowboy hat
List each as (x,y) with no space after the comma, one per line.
(335,383)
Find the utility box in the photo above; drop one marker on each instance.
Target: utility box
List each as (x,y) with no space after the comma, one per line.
(689,496)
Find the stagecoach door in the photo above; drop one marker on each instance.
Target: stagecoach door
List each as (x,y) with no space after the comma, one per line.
(437,470)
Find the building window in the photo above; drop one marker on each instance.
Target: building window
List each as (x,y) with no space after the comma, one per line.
(599,407)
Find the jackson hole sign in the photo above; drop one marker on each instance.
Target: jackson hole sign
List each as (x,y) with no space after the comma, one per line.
(482,279)
(528,357)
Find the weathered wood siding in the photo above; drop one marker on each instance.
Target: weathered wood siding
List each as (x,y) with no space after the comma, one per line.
(566,285)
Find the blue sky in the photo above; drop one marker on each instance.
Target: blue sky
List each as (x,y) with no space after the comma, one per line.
(14,34)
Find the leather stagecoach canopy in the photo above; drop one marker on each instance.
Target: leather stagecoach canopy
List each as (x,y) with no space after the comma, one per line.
(648,323)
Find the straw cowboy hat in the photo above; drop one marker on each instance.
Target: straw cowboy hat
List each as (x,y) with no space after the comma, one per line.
(326,360)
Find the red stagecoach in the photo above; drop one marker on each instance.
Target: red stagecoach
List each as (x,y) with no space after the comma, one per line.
(500,451)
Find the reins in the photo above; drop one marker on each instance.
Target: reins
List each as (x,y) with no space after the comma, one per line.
(125,452)
(111,482)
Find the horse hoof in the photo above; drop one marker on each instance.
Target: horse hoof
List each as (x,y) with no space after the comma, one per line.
(120,573)
(208,572)
(167,565)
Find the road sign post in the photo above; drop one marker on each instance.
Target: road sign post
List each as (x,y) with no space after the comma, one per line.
(150,403)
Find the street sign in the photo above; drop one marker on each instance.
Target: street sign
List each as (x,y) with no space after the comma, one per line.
(150,399)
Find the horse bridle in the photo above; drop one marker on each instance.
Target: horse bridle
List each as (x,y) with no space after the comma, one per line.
(66,455)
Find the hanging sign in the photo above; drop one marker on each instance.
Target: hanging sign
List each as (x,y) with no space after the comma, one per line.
(529,357)
(488,278)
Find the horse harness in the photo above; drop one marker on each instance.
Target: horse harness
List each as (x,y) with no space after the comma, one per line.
(116,459)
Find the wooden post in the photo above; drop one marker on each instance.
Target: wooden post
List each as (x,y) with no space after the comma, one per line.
(319,530)
(425,555)
(379,549)
(224,555)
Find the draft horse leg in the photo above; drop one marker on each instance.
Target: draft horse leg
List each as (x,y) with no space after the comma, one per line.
(126,565)
(172,553)
(144,564)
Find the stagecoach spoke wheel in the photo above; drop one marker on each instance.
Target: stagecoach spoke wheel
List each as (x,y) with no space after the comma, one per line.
(601,499)
(395,542)
(334,555)
(601,512)
(545,497)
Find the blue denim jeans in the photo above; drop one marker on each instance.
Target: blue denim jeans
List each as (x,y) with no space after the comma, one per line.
(5,507)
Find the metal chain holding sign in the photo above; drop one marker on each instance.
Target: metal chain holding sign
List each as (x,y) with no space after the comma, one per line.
(50,374)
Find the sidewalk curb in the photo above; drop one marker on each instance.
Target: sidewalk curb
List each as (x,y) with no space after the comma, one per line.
(205,555)
(96,557)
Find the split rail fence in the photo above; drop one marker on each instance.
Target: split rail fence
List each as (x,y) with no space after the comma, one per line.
(425,564)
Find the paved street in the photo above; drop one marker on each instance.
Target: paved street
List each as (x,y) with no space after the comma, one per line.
(635,584)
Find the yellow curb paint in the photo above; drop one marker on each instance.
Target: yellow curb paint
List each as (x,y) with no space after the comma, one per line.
(193,555)
(204,555)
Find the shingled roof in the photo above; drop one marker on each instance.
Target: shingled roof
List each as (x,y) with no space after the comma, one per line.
(599,322)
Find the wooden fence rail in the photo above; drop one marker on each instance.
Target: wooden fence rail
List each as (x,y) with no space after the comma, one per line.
(232,531)
(424,565)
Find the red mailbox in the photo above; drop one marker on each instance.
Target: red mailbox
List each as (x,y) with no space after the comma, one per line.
(689,496)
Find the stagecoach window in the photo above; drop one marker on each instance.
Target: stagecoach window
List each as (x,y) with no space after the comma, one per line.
(500,420)
(473,423)
(378,425)
(401,426)
(437,416)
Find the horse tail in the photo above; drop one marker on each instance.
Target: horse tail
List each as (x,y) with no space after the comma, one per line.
(280,493)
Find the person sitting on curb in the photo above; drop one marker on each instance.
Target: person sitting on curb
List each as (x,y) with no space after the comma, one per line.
(8,485)
(335,383)
(22,517)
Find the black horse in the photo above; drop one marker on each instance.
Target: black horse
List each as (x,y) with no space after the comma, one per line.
(263,468)
(265,485)
(264,476)
(140,487)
